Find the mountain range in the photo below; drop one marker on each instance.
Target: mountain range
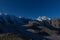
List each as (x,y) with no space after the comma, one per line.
(36,29)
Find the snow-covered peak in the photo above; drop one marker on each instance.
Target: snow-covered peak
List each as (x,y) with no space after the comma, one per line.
(49,18)
(3,13)
(19,17)
(41,18)
(0,13)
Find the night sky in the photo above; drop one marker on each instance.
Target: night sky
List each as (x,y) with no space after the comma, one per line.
(31,8)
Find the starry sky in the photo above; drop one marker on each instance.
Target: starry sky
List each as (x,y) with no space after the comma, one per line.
(31,8)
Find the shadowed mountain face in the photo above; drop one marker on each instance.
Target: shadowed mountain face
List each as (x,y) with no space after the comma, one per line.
(27,28)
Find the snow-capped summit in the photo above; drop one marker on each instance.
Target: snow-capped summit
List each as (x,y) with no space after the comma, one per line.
(0,13)
(3,13)
(41,18)
(19,17)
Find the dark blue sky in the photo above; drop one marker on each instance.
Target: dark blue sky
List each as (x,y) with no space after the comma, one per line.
(31,8)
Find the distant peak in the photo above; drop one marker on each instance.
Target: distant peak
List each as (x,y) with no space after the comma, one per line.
(41,18)
(0,13)
(19,17)
(3,13)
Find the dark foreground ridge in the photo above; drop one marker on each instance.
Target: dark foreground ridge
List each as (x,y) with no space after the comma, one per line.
(42,28)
